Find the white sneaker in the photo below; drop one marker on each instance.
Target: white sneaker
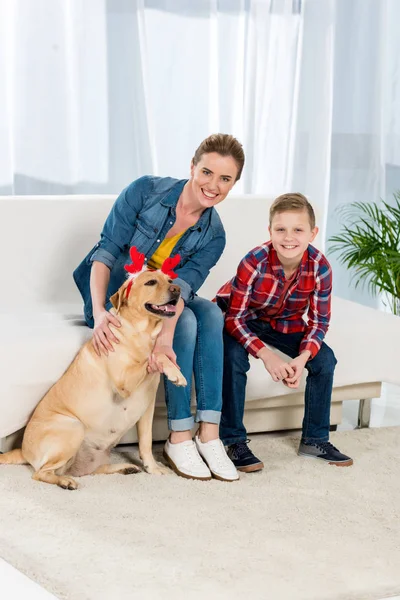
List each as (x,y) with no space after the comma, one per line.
(219,463)
(184,459)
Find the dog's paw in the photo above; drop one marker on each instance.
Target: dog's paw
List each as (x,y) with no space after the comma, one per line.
(176,377)
(67,483)
(157,469)
(130,470)
(181,382)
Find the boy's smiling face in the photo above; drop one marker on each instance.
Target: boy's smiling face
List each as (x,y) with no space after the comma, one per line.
(290,235)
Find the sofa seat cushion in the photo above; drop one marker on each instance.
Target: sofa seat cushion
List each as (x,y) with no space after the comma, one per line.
(35,350)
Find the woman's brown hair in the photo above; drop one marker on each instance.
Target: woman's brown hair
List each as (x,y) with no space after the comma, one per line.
(225,145)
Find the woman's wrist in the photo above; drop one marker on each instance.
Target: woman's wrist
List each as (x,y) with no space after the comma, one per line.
(164,340)
(98,310)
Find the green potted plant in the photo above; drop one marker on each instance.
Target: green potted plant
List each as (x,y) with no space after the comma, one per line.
(369,245)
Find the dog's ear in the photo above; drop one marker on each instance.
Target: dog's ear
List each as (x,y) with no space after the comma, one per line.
(119,299)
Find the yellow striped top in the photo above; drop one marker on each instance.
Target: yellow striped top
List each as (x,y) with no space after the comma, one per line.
(163,251)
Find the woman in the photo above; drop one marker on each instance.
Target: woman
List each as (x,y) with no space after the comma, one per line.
(163,217)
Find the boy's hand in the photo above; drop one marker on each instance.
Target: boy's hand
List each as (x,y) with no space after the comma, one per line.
(276,366)
(298,365)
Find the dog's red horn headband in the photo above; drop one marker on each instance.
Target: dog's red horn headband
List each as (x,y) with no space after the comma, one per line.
(169,264)
(137,259)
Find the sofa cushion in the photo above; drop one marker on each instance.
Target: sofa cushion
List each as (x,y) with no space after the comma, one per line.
(37,347)
(35,350)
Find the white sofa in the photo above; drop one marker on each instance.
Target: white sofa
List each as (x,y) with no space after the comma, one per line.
(43,238)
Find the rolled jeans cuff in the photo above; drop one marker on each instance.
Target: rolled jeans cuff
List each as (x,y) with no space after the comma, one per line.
(233,440)
(181,424)
(208,416)
(309,440)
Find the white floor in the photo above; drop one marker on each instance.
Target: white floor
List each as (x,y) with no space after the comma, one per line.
(385,412)
(15,586)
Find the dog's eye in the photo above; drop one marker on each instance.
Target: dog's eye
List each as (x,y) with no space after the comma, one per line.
(151,282)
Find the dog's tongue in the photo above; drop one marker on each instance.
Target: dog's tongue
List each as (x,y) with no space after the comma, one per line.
(165,307)
(170,308)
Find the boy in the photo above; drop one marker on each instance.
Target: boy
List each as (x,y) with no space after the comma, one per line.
(275,284)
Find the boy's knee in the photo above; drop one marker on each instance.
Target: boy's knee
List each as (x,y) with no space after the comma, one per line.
(325,361)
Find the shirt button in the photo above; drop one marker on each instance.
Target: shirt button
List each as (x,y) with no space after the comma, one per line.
(145,259)
(158,241)
(170,222)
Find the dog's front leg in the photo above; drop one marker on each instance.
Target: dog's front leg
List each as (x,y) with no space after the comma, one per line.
(145,436)
(170,370)
(128,381)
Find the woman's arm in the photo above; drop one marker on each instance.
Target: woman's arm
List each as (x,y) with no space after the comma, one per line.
(190,278)
(102,334)
(99,279)
(166,335)
(115,236)
(196,270)
(165,339)
(120,223)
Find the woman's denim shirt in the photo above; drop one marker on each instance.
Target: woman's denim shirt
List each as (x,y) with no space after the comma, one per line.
(141,216)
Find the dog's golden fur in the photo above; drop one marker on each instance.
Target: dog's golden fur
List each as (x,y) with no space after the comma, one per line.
(98,398)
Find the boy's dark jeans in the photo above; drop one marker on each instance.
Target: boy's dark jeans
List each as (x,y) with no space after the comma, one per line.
(318,387)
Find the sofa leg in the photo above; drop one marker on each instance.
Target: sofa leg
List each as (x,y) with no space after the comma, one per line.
(333,428)
(364,413)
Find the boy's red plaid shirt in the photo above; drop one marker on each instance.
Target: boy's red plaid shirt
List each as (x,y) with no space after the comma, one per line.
(257,287)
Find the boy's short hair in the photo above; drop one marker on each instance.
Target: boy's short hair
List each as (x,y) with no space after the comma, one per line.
(293,202)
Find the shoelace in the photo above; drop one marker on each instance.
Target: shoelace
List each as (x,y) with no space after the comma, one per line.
(241,448)
(220,454)
(326,446)
(193,455)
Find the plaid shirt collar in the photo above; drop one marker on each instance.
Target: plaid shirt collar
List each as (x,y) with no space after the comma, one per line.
(276,264)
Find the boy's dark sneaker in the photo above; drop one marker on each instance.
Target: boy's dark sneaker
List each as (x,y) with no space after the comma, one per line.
(325,451)
(243,458)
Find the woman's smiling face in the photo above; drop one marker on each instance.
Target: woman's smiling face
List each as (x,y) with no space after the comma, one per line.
(212,178)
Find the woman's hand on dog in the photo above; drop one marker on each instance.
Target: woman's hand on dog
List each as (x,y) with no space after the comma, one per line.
(103,337)
(154,366)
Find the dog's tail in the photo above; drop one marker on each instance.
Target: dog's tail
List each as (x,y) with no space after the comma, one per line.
(14,457)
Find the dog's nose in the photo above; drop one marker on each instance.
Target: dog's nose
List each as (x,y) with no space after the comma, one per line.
(174,289)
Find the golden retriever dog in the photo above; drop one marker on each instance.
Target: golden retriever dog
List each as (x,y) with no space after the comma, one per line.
(99,398)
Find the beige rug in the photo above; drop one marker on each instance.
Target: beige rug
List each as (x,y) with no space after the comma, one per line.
(299,530)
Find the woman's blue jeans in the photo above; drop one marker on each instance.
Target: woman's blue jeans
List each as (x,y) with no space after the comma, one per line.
(199,349)
(317,398)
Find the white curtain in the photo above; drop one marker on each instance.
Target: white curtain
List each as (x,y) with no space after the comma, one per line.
(53,100)
(94,93)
